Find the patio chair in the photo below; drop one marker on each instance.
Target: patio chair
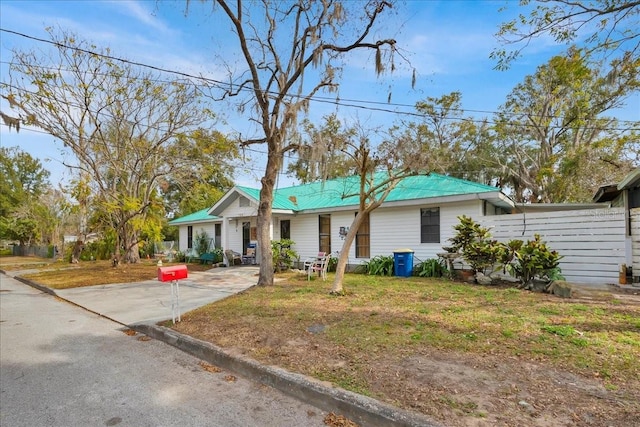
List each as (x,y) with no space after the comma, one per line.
(232,257)
(318,265)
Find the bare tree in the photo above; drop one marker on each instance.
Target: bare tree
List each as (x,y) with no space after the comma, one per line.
(121,123)
(379,171)
(280,42)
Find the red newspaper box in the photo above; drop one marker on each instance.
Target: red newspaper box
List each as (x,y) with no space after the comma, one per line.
(174,272)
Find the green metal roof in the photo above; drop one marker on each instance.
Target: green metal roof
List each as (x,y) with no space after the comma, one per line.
(194,217)
(343,192)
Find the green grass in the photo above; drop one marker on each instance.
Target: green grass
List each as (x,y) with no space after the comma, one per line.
(392,315)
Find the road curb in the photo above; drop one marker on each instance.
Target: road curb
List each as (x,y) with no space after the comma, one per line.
(34,285)
(361,409)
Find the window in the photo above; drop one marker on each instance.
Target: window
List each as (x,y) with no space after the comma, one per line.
(246,230)
(218,236)
(363,241)
(190,236)
(285,229)
(430,225)
(324,233)
(244,202)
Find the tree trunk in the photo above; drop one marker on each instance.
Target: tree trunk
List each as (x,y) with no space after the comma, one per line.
(132,254)
(77,250)
(130,245)
(343,259)
(264,220)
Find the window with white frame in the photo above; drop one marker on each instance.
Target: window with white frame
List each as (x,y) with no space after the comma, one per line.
(430,225)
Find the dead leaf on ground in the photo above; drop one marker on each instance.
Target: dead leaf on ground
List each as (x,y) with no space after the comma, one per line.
(230,379)
(129,332)
(144,338)
(209,368)
(334,420)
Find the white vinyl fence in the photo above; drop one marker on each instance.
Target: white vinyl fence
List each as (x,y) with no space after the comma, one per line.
(591,241)
(635,241)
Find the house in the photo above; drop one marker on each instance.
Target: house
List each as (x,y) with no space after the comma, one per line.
(418,214)
(626,196)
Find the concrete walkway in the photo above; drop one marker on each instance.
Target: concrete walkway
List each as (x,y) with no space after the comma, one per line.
(150,301)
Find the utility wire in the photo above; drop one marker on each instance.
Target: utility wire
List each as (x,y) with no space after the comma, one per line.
(351,103)
(324,99)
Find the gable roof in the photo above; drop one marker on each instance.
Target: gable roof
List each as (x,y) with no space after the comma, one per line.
(195,217)
(344,192)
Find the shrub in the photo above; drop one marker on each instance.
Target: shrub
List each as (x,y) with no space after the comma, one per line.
(333,263)
(534,260)
(283,255)
(528,261)
(475,244)
(431,268)
(381,265)
(202,242)
(179,257)
(218,255)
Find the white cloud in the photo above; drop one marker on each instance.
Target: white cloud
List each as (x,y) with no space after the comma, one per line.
(141,13)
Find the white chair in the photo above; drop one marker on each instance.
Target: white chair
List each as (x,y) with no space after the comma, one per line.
(232,257)
(318,265)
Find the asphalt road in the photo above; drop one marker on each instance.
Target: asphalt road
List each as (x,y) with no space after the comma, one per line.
(63,366)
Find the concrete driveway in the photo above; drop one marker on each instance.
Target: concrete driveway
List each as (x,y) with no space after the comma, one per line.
(150,301)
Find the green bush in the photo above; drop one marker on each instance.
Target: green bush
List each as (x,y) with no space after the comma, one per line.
(528,261)
(475,244)
(381,265)
(430,268)
(333,263)
(534,260)
(218,255)
(283,255)
(202,242)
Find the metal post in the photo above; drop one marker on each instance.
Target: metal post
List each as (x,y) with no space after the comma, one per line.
(175,301)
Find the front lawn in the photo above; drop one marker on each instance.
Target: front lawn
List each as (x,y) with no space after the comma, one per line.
(459,353)
(63,275)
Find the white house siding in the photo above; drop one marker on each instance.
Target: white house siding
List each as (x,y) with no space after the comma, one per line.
(233,217)
(304,232)
(635,242)
(183,235)
(396,228)
(391,228)
(591,241)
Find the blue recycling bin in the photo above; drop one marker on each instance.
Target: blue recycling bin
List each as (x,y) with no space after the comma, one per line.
(403,262)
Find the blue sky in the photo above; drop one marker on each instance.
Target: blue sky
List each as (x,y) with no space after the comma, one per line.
(448,42)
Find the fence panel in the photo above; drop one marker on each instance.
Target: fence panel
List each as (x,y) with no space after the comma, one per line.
(592,241)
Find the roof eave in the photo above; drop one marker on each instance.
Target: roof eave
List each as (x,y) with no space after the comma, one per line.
(631,180)
(494,196)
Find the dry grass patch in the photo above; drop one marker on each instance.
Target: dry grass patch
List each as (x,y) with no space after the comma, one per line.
(13,263)
(462,353)
(91,273)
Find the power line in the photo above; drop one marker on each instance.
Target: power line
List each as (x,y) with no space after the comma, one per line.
(482,121)
(350,103)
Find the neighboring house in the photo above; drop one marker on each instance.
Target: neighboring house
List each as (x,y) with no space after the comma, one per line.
(198,222)
(626,195)
(418,214)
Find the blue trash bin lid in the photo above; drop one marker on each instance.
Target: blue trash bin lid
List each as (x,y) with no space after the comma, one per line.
(402,251)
